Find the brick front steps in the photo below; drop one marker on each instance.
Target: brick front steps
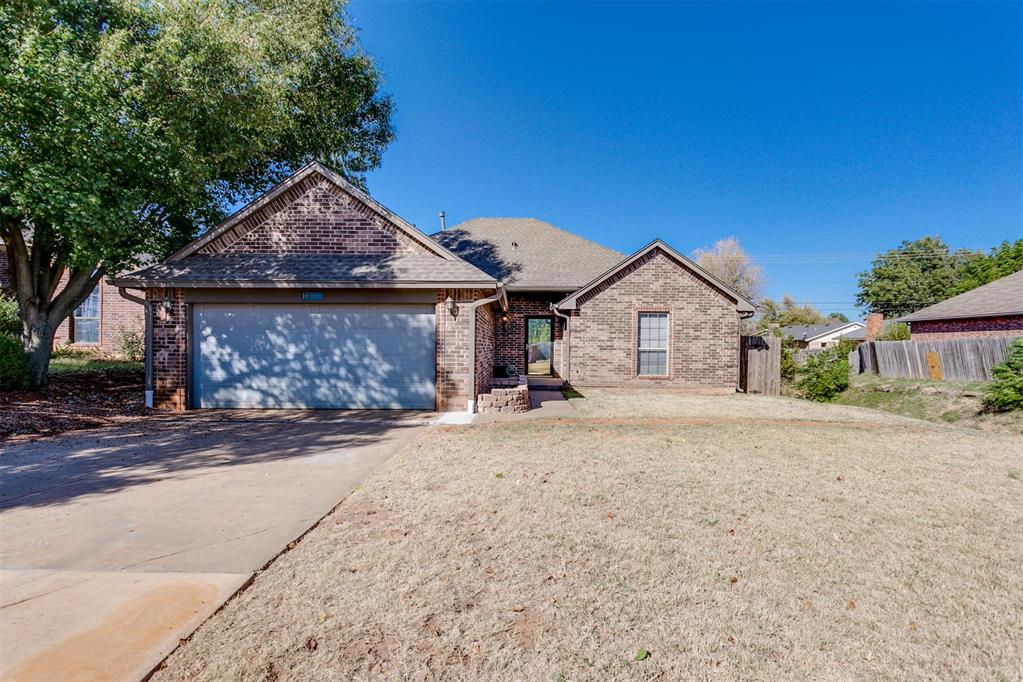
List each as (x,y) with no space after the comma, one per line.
(505,400)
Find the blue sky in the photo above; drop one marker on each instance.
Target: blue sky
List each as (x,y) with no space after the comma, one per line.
(816,133)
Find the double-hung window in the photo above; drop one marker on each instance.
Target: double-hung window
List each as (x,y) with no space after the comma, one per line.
(85,328)
(653,344)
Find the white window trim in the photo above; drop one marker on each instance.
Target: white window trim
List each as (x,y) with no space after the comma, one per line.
(98,318)
(667,344)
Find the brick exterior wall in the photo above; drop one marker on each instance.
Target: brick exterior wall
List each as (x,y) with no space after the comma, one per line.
(116,314)
(485,323)
(703,345)
(977,327)
(170,351)
(510,336)
(5,270)
(316,216)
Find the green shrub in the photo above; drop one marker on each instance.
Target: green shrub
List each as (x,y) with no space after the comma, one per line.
(826,374)
(895,332)
(1005,392)
(132,344)
(70,351)
(13,364)
(788,361)
(10,319)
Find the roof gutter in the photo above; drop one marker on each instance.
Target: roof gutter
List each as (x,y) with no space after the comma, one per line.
(501,296)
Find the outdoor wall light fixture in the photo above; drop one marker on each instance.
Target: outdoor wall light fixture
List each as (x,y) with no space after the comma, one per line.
(449,303)
(505,317)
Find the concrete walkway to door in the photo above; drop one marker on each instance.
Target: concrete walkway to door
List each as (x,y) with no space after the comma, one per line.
(116,543)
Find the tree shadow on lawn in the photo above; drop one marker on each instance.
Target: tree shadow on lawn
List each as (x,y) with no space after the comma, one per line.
(56,470)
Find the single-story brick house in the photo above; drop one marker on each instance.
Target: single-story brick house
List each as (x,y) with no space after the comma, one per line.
(822,335)
(315,295)
(99,323)
(995,309)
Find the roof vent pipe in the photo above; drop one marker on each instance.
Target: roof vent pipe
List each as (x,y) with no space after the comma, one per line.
(443,224)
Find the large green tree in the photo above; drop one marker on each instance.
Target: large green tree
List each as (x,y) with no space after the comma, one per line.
(920,273)
(1004,259)
(127,127)
(911,276)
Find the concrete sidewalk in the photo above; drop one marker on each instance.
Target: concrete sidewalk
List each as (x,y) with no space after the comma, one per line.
(116,543)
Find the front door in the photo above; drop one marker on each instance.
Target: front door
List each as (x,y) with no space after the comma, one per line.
(539,345)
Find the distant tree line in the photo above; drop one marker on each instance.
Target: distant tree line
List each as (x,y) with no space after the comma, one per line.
(920,273)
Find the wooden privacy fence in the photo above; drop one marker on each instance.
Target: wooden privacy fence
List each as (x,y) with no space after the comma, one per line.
(955,359)
(760,364)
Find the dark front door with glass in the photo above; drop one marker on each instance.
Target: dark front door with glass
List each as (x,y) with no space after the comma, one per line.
(539,345)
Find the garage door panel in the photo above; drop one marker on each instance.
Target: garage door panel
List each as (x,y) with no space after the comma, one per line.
(315,356)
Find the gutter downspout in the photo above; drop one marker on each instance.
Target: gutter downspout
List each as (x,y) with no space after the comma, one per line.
(499,295)
(148,307)
(568,343)
(742,361)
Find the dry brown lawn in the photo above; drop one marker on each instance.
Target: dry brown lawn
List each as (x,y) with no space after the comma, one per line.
(728,537)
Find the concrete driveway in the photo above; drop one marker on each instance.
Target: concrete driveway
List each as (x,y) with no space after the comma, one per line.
(116,543)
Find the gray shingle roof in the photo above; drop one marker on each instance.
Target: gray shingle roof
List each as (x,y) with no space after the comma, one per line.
(529,254)
(295,270)
(1002,297)
(808,332)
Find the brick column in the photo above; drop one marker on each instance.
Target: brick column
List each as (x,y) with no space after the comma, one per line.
(875,325)
(453,344)
(170,350)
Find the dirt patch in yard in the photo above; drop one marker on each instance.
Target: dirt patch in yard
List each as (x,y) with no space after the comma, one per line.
(768,549)
(73,400)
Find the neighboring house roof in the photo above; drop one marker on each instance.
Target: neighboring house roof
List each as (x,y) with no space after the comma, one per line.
(308,270)
(528,254)
(1002,297)
(571,301)
(300,175)
(810,332)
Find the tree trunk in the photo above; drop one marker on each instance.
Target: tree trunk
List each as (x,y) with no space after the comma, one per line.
(36,270)
(38,347)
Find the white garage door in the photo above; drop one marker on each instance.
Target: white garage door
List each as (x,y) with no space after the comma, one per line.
(314,356)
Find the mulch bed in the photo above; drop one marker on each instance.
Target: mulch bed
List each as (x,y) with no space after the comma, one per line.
(73,400)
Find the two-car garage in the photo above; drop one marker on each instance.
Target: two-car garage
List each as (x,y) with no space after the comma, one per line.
(295,355)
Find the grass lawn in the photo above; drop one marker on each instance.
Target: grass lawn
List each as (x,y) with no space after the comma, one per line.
(657,536)
(85,363)
(947,401)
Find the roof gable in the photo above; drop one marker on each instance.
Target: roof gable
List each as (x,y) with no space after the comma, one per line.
(290,217)
(528,254)
(572,300)
(1002,297)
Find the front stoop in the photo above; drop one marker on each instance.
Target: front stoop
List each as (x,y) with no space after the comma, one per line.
(546,383)
(505,400)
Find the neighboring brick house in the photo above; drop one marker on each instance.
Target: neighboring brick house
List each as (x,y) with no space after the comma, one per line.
(995,309)
(99,323)
(315,295)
